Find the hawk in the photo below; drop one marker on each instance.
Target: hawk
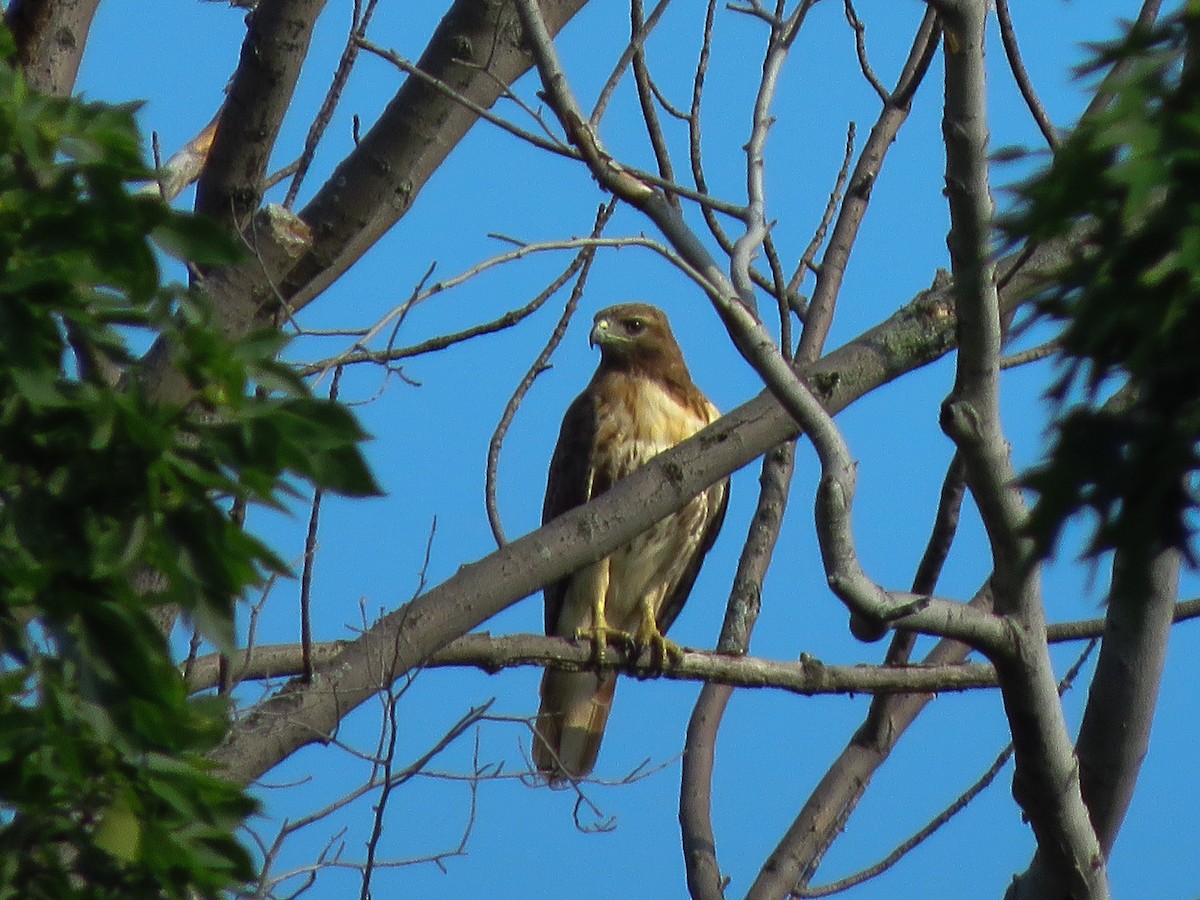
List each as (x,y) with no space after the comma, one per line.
(640,402)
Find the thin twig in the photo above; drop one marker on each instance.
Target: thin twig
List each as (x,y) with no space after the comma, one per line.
(582,263)
(637,40)
(551,145)
(421,293)
(778,45)
(714,226)
(646,92)
(359,21)
(391,727)
(310,556)
(1008,36)
(835,198)
(860,47)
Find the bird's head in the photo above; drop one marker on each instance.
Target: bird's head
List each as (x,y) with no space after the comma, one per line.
(634,335)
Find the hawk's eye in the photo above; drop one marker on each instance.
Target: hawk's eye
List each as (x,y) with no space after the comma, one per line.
(635,326)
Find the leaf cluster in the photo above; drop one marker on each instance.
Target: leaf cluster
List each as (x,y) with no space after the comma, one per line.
(1128,304)
(112,503)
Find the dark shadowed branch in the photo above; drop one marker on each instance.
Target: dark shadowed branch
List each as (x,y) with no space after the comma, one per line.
(230,187)
(50,37)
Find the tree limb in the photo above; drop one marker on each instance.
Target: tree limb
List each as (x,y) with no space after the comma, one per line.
(1046,782)
(807,676)
(230,187)
(51,36)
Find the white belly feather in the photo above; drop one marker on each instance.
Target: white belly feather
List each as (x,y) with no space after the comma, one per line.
(648,568)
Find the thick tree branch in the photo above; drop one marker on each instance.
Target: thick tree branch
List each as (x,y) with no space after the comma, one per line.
(1115,734)
(50,36)
(1046,782)
(276,44)
(1124,691)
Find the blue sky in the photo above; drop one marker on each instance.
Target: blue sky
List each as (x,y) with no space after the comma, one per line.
(431,442)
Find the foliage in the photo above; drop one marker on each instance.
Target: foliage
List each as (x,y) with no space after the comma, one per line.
(1129,304)
(103,788)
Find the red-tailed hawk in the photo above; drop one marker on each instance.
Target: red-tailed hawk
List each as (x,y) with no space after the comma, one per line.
(640,402)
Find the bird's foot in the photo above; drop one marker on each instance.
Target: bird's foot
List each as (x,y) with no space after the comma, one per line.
(601,635)
(663,651)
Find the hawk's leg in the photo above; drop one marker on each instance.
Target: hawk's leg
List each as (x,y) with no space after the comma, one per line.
(601,633)
(648,635)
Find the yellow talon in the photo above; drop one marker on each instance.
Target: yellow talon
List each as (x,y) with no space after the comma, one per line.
(648,635)
(601,634)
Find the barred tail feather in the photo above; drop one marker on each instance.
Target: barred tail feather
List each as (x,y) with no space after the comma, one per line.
(570,723)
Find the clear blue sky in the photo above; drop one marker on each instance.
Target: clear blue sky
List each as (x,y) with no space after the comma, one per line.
(178,54)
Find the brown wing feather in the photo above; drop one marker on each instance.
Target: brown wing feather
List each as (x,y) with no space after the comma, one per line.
(673,604)
(569,483)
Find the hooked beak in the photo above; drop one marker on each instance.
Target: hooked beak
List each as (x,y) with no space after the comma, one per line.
(599,332)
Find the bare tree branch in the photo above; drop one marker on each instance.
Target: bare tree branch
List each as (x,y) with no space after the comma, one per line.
(646,92)
(266,662)
(883,134)
(800,850)
(1124,690)
(741,615)
(803,848)
(476,50)
(1046,783)
(1008,35)
(960,803)
(1121,702)
(360,21)
(637,41)
(276,44)
(860,46)
(807,676)
(50,36)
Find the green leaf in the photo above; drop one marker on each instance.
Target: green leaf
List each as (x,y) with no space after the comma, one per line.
(119,831)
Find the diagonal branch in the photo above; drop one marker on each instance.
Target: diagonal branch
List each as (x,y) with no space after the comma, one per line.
(858,195)
(276,44)
(50,37)
(295,716)
(741,615)
(802,847)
